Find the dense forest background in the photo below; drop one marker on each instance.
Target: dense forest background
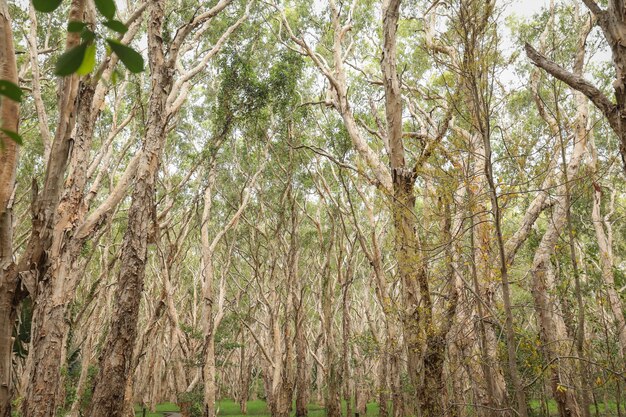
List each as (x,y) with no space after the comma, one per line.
(413,204)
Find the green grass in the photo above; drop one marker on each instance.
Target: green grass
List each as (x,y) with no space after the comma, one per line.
(255,408)
(259,408)
(159,410)
(536,407)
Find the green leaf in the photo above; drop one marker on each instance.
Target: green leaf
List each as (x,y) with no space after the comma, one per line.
(89,61)
(88,36)
(10,90)
(106,8)
(70,61)
(46,6)
(75,26)
(116,74)
(116,25)
(13,135)
(129,57)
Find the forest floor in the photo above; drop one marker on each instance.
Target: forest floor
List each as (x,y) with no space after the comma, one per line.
(258,408)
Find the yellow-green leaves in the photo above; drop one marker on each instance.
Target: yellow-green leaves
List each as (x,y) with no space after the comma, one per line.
(71,61)
(89,61)
(81,59)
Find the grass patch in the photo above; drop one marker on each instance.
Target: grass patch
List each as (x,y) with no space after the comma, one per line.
(255,408)
(259,408)
(537,408)
(159,410)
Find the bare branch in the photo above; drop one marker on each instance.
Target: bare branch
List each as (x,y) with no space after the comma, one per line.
(576,82)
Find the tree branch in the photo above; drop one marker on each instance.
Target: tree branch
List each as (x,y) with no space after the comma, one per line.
(576,82)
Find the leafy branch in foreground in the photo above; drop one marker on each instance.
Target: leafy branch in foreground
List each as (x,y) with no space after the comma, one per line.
(81,59)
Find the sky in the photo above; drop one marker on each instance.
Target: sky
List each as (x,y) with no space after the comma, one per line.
(525,7)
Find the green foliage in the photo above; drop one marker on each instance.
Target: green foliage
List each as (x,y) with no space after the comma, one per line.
(192,402)
(13,135)
(284,76)
(106,8)
(367,344)
(241,94)
(76,26)
(15,93)
(46,6)
(191,331)
(129,57)
(71,61)
(159,410)
(10,90)
(116,26)
(71,375)
(81,59)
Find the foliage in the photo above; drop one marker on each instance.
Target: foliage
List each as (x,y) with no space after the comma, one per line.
(191,403)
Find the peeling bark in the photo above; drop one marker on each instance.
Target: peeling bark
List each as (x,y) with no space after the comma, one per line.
(9,118)
(116,357)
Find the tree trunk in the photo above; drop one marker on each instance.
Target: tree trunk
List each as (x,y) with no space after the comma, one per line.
(551,329)
(208,374)
(44,392)
(417,319)
(383,386)
(491,389)
(395,371)
(332,375)
(117,355)
(245,374)
(208,295)
(9,117)
(302,377)
(603,228)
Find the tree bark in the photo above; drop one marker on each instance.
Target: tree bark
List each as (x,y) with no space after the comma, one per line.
(551,328)
(302,374)
(9,118)
(604,235)
(51,254)
(116,357)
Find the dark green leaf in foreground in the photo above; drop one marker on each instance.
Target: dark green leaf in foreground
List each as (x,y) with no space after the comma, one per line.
(87,36)
(46,6)
(70,61)
(116,25)
(13,135)
(10,90)
(75,26)
(106,8)
(129,57)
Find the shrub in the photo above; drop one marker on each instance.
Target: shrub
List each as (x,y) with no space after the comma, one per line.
(191,403)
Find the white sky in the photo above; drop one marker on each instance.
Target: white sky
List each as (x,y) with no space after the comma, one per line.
(525,8)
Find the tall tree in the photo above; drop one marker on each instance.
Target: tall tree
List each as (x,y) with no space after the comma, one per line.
(9,118)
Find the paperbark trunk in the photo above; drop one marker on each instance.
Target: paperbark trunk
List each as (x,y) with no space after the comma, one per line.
(9,117)
(116,357)
(551,328)
(302,375)
(604,235)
